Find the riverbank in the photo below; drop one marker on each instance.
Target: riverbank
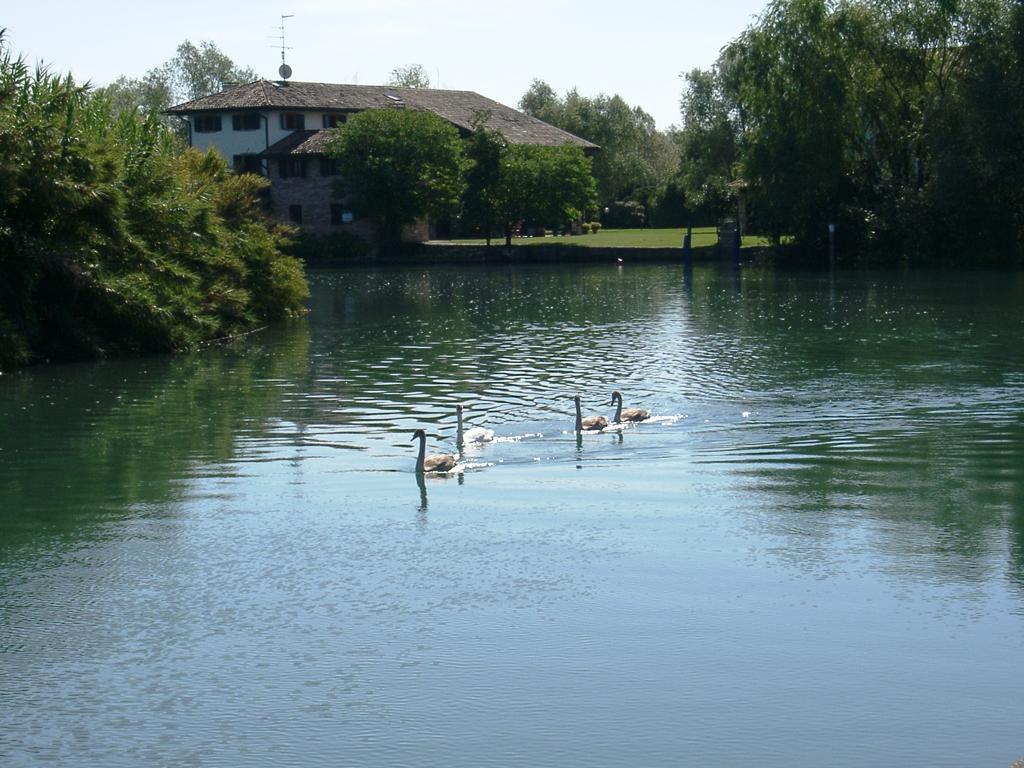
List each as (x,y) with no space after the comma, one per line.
(546,251)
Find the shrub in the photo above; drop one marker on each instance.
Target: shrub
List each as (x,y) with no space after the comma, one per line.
(595,227)
(114,238)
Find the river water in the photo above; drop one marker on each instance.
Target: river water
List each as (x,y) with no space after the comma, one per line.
(812,555)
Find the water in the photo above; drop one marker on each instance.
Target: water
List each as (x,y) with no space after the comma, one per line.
(813,555)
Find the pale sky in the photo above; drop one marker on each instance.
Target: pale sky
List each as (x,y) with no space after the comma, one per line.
(495,48)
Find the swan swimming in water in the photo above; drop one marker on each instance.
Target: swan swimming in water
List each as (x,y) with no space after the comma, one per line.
(436,462)
(589,424)
(473,434)
(627,414)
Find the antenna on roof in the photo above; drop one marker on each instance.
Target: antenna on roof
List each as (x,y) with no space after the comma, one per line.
(284,70)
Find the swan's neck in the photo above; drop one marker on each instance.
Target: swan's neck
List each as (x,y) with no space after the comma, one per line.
(579,417)
(618,408)
(422,454)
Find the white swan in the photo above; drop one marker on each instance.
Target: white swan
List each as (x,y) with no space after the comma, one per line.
(589,424)
(473,434)
(437,462)
(628,414)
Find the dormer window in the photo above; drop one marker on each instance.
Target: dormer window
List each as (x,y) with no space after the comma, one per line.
(206,123)
(245,122)
(293,121)
(333,121)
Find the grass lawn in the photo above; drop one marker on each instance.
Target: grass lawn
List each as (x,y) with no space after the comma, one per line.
(623,238)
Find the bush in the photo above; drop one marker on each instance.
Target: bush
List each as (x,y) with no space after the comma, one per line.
(115,239)
(595,227)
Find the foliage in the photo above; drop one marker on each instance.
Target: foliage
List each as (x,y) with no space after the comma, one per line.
(636,160)
(484,151)
(111,239)
(194,71)
(708,144)
(409,76)
(898,121)
(399,165)
(544,186)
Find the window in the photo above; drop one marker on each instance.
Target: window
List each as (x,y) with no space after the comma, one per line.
(247,164)
(245,122)
(340,215)
(333,121)
(293,121)
(206,123)
(295,213)
(329,166)
(289,167)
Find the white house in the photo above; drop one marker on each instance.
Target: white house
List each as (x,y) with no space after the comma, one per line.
(278,129)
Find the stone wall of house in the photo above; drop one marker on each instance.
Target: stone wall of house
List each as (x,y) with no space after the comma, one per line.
(315,194)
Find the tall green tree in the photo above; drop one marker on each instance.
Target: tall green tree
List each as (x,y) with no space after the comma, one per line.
(708,144)
(636,161)
(194,71)
(485,149)
(895,119)
(544,186)
(399,165)
(794,88)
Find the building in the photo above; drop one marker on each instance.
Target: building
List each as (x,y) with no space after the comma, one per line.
(279,129)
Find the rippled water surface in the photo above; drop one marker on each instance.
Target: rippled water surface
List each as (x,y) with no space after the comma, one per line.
(812,555)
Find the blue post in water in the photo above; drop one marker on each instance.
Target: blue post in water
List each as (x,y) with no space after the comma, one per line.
(688,246)
(736,246)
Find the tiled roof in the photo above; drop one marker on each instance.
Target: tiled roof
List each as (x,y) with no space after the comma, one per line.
(457,107)
(300,143)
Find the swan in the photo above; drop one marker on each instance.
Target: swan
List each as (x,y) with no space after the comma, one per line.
(589,424)
(473,434)
(436,462)
(628,414)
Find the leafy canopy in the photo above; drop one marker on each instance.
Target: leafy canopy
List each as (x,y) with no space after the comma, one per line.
(409,76)
(636,161)
(399,165)
(113,239)
(194,71)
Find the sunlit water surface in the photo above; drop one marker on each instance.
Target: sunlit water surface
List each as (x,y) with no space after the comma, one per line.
(813,555)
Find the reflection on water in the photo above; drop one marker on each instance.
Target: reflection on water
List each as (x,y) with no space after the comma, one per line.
(813,552)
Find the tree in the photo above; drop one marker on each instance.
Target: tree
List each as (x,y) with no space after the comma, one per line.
(896,120)
(399,165)
(636,161)
(484,148)
(409,76)
(708,144)
(541,101)
(544,186)
(194,71)
(794,87)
